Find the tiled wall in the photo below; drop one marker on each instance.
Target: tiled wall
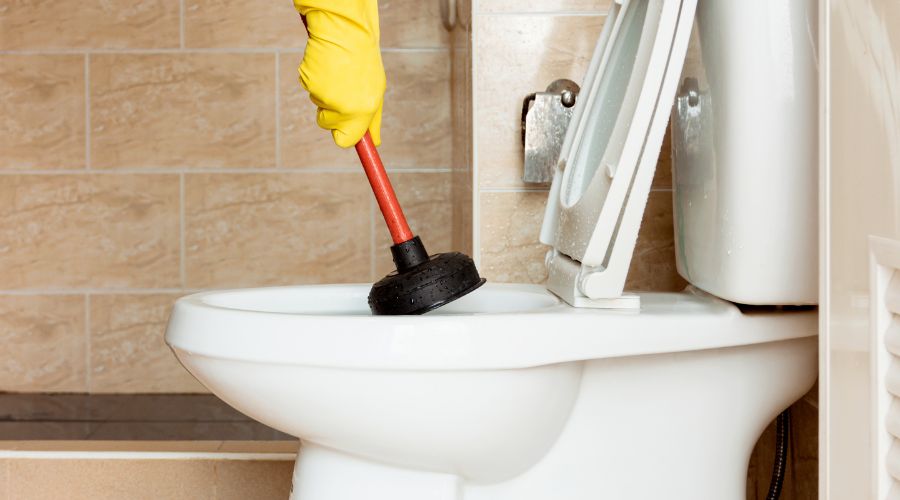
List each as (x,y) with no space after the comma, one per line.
(118,478)
(535,43)
(153,148)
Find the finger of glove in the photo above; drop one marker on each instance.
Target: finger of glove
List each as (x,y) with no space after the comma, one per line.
(375,125)
(346,131)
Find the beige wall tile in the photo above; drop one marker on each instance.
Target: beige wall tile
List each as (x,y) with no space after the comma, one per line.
(182,110)
(510,225)
(514,56)
(102,479)
(426,202)
(662,179)
(42,343)
(265,229)
(461,204)
(461,118)
(42,108)
(416,128)
(258,23)
(111,479)
(95,231)
(416,125)
(242,23)
(253,480)
(411,23)
(653,262)
(544,6)
(511,252)
(70,24)
(128,350)
(289,447)
(4,479)
(95,445)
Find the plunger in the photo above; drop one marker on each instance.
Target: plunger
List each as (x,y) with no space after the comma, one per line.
(421,282)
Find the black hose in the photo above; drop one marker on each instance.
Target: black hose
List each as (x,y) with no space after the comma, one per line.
(782,436)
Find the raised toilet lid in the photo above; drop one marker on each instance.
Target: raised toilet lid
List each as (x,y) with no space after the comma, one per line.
(609,156)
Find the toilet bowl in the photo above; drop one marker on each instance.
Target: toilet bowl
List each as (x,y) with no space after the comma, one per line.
(575,389)
(505,394)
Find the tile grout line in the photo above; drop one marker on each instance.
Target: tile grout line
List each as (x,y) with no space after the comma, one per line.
(13,455)
(87,341)
(87,111)
(98,291)
(472,104)
(415,49)
(547,13)
(181,231)
(277,111)
(236,170)
(547,190)
(514,190)
(207,50)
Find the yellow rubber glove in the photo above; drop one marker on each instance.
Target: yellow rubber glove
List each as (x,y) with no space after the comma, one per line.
(342,67)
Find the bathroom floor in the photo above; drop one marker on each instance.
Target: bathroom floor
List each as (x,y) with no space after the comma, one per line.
(127,417)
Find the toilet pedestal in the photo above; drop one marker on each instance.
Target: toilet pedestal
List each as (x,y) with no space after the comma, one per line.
(325,474)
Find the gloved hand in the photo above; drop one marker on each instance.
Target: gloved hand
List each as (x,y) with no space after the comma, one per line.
(342,67)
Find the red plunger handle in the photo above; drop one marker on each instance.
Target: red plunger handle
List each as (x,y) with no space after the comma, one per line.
(384,193)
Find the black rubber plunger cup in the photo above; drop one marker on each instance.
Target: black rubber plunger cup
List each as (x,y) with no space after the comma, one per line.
(421,282)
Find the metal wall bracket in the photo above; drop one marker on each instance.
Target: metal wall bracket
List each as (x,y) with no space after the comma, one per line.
(545,117)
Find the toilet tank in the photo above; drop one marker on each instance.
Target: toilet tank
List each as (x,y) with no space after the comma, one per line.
(744,146)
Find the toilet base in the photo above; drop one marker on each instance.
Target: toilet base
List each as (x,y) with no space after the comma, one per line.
(325,474)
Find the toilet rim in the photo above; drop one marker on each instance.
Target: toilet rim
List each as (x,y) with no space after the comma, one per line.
(549,333)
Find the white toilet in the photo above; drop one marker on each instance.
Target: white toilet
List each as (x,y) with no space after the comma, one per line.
(576,390)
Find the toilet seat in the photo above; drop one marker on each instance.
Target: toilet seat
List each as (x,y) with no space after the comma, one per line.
(503,326)
(602,180)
